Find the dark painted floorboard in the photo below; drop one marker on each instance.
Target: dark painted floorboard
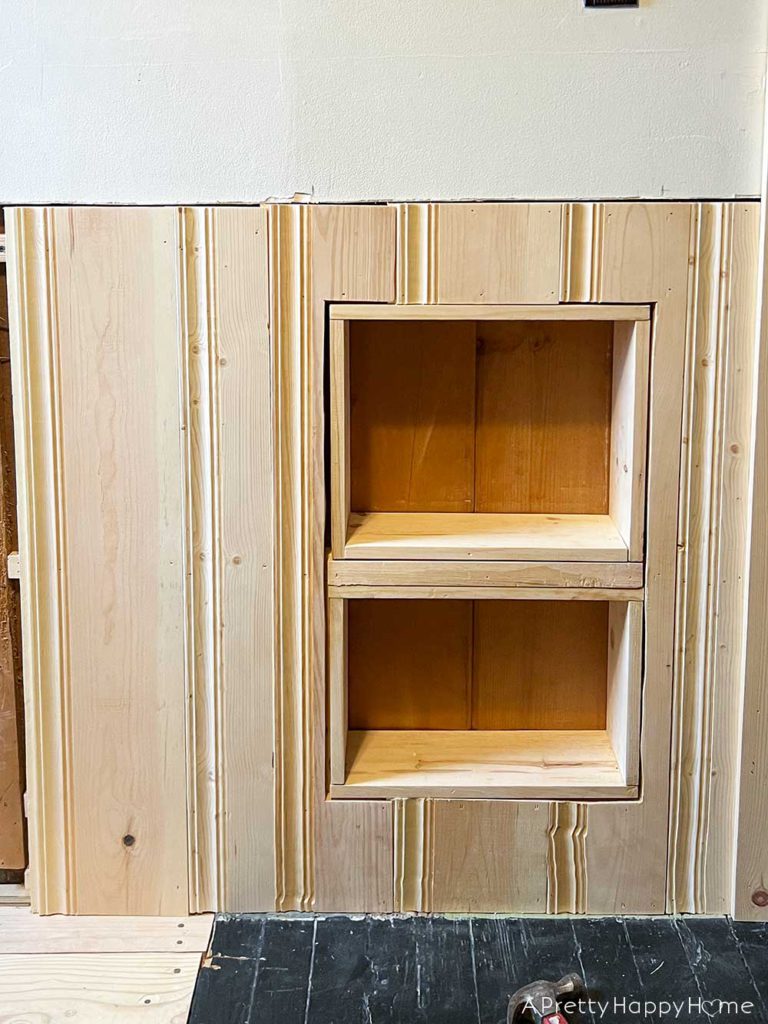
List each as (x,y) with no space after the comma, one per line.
(511,952)
(341,970)
(752,939)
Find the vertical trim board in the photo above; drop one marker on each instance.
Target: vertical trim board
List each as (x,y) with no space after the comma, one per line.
(645,255)
(289,284)
(230,498)
(352,258)
(751,869)
(33,333)
(330,856)
(712,545)
(566,858)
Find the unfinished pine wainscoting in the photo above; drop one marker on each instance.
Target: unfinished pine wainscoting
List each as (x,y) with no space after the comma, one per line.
(388,557)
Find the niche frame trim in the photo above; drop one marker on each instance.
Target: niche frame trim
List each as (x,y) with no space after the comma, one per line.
(618,536)
(624,681)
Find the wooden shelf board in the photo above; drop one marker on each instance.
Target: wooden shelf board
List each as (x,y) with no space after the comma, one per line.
(456,535)
(557,765)
(383,572)
(443,311)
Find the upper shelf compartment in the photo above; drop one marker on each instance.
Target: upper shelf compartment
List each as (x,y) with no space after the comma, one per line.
(488,432)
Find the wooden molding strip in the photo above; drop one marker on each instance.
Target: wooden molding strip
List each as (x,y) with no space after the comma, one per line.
(481,311)
(207,811)
(229,491)
(291,325)
(34,361)
(566,858)
(414,855)
(583,235)
(712,545)
(415,253)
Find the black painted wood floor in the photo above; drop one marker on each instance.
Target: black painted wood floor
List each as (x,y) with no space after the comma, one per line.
(342,970)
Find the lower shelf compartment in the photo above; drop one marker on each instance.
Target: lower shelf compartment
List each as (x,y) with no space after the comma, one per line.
(452,535)
(520,764)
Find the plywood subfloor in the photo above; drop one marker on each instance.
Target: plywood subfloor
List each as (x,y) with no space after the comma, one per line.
(98,970)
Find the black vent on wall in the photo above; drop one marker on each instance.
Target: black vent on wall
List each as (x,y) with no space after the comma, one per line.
(611,3)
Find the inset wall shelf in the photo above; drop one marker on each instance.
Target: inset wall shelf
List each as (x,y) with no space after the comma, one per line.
(455,535)
(545,764)
(518,692)
(356,573)
(488,432)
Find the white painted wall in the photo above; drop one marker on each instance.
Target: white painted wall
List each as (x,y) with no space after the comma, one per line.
(238,100)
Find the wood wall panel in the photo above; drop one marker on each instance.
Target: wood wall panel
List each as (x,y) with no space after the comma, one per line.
(496,252)
(142,372)
(712,552)
(121,546)
(147,511)
(329,856)
(469,856)
(486,857)
(12,847)
(641,253)
(97,370)
(228,427)
(646,250)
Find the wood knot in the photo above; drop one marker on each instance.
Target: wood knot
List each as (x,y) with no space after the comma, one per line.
(128,840)
(760,898)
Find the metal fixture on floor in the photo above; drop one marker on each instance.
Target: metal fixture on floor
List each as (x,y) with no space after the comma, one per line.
(539,1000)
